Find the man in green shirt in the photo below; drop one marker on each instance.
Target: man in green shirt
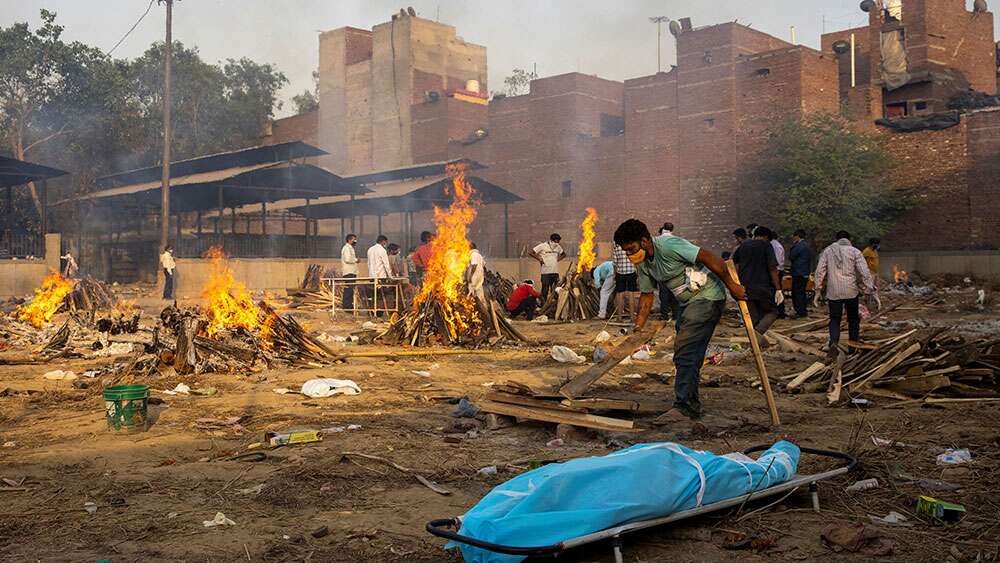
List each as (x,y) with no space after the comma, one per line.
(696,277)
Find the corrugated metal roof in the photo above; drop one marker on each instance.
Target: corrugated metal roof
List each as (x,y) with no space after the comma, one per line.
(14,172)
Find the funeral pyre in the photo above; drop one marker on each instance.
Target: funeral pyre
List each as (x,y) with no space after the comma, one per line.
(576,297)
(231,333)
(443,311)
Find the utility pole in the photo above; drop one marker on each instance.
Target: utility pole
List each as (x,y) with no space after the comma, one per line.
(165,179)
(659,20)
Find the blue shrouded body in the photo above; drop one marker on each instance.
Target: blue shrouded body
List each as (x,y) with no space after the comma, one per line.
(562,501)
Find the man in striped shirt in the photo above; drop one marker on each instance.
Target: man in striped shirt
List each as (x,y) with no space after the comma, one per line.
(843,272)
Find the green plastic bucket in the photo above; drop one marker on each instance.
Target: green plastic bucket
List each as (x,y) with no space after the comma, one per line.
(126,407)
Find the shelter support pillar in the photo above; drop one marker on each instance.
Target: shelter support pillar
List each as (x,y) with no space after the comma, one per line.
(232,217)
(308,238)
(199,222)
(263,217)
(221,206)
(506,231)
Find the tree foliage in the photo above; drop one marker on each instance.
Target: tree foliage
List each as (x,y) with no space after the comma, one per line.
(821,174)
(518,83)
(71,106)
(308,100)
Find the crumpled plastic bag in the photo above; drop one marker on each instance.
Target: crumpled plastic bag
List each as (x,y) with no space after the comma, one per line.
(602,337)
(954,457)
(219,520)
(319,388)
(564,355)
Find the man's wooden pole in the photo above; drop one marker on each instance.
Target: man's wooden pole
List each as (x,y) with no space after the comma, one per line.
(755,345)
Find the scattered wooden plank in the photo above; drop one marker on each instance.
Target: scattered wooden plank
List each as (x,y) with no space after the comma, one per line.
(806,374)
(943,371)
(862,345)
(524,401)
(578,384)
(885,368)
(837,381)
(560,417)
(600,404)
(882,392)
(789,345)
(803,327)
(919,386)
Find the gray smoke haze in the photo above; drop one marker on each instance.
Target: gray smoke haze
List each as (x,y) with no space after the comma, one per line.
(610,38)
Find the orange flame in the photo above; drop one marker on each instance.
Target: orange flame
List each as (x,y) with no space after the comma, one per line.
(587,255)
(899,274)
(125,308)
(47,300)
(450,258)
(230,304)
(269,310)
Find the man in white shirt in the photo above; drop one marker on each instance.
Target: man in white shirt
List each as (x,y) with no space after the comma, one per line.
(475,275)
(378,259)
(349,269)
(843,273)
(548,255)
(779,254)
(168,265)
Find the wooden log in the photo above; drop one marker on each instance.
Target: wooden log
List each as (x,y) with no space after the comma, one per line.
(185,357)
(559,416)
(918,386)
(837,381)
(600,404)
(512,399)
(883,369)
(806,374)
(576,386)
(755,346)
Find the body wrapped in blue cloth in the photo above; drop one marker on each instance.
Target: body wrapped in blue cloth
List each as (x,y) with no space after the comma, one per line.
(562,501)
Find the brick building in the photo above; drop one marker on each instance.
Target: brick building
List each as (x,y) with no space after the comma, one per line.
(673,145)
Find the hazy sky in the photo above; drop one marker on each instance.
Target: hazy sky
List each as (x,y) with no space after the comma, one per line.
(610,38)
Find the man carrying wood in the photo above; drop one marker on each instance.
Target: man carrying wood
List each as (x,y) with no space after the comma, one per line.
(843,272)
(696,277)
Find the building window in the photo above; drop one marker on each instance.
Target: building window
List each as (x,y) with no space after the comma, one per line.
(567,189)
(710,123)
(612,125)
(708,57)
(920,108)
(897,109)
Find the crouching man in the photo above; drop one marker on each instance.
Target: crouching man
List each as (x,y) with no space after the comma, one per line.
(698,279)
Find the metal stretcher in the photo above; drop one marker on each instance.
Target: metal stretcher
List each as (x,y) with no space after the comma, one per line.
(448,527)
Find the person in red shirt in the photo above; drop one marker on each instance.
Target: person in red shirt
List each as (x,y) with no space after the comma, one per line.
(422,257)
(524,299)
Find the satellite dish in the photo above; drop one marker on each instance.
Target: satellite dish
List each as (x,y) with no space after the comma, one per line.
(979,6)
(867,5)
(675,28)
(841,47)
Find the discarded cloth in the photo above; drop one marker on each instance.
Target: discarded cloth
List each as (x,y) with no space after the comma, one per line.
(564,355)
(954,457)
(319,388)
(561,501)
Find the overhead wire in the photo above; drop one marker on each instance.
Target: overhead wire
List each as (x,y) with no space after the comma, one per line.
(135,25)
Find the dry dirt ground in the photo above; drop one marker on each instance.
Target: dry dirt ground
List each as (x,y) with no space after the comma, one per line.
(153,490)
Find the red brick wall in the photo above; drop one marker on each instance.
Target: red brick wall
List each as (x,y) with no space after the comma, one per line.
(359,46)
(935,165)
(984,187)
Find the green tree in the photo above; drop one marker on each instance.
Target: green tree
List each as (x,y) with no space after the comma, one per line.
(518,83)
(308,100)
(821,174)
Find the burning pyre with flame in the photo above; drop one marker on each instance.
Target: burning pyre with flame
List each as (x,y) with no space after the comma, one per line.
(443,310)
(49,297)
(232,332)
(576,297)
(588,256)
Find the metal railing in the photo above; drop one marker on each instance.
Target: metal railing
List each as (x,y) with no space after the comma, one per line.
(15,245)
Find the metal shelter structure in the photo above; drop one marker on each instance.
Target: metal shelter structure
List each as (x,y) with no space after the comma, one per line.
(407,191)
(14,172)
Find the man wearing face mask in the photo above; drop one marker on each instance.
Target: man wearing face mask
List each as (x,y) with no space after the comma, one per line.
(698,278)
(349,269)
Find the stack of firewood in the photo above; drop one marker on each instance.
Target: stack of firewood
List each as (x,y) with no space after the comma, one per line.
(498,288)
(312,278)
(425,324)
(89,295)
(933,366)
(286,340)
(576,299)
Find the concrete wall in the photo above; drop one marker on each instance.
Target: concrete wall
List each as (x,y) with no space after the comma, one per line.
(982,264)
(18,278)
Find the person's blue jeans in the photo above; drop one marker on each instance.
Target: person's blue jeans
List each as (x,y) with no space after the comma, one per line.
(695,328)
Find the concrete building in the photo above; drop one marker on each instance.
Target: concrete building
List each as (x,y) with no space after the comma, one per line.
(674,145)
